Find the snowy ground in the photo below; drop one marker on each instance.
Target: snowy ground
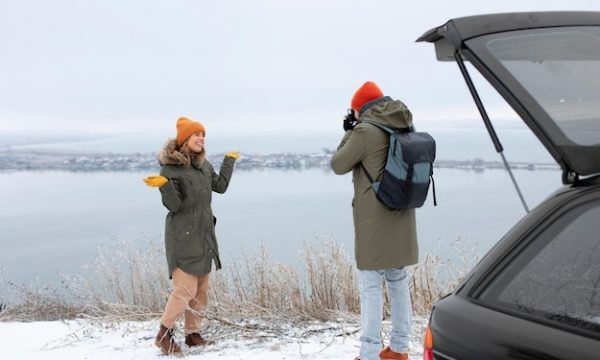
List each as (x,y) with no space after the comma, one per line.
(80,339)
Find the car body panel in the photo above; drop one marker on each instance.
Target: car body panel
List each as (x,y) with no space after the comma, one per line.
(523,56)
(490,335)
(464,327)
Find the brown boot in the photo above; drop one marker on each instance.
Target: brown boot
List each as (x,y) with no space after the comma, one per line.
(195,339)
(389,354)
(164,340)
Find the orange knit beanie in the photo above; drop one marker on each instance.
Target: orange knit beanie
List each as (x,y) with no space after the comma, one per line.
(186,127)
(367,92)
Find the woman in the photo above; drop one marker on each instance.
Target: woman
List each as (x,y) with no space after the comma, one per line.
(186,183)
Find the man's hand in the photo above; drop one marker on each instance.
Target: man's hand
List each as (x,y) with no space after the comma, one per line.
(350,121)
(156,181)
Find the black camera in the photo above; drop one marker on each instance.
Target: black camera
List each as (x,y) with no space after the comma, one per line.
(350,120)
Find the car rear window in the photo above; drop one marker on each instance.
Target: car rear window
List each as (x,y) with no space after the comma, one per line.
(560,68)
(557,277)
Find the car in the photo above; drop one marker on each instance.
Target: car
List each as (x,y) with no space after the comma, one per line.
(536,293)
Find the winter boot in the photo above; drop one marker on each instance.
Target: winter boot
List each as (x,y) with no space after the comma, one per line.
(195,339)
(388,354)
(164,340)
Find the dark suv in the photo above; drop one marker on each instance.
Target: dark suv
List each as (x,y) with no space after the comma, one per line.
(536,293)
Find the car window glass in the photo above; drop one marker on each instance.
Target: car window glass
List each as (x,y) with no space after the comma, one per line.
(560,68)
(558,276)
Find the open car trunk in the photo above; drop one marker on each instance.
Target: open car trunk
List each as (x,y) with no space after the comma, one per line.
(547,67)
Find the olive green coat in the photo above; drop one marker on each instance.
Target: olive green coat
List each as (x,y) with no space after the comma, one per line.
(190,240)
(384,238)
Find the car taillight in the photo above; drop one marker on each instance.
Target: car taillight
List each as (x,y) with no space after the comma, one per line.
(428,345)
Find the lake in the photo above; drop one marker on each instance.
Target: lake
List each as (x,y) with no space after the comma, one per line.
(53,222)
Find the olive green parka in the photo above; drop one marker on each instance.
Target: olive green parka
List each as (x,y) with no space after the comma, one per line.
(384,238)
(190,241)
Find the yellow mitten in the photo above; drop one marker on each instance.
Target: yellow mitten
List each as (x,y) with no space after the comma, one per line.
(233,154)
(155,181)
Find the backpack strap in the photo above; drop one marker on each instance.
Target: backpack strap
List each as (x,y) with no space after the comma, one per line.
(367,173)
(433,188)
(387,129)
(432,184)
(381,126)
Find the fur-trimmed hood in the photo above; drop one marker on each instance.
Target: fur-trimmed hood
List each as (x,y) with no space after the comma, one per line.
(170,155)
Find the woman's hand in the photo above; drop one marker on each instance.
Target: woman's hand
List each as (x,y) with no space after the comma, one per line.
(156,181)
(233,154)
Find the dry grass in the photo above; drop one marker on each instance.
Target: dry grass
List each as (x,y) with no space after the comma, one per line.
(332,279)
(256,287)
(130,282)
(433,277)
(130,274)
(39,303)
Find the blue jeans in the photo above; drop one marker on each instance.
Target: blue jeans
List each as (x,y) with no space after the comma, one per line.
(371,310)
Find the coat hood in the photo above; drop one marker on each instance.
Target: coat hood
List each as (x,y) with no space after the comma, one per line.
(387,111)
(170,155)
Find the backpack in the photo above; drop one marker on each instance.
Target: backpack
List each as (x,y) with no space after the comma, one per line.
(408,169)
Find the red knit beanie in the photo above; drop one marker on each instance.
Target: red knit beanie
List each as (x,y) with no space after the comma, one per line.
(367,92)
(187,127)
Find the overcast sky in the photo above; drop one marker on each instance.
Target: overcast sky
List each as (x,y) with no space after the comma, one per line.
(238,66)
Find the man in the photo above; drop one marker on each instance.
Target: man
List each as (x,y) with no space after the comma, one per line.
(385,240)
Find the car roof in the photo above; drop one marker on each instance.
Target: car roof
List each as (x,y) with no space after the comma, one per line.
(572,139)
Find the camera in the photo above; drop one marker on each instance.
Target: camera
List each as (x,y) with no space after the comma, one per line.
(350,120)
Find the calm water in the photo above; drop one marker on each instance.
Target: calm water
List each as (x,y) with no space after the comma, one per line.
(53,222)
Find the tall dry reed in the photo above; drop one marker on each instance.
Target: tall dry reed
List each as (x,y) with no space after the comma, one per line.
(130,281)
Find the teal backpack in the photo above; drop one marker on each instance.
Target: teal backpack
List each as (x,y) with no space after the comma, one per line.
(408,170)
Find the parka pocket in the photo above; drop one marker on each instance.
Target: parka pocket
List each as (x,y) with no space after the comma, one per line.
(183,227)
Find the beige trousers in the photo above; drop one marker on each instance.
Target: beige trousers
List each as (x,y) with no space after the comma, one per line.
(189,298)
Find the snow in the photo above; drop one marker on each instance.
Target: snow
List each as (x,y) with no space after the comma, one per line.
(82,339)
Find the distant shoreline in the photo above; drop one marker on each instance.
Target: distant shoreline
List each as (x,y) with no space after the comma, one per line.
(43,159)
